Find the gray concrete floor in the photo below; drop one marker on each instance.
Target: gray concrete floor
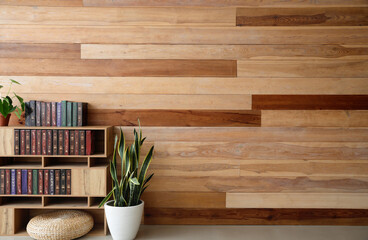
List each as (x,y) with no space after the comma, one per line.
(164,232)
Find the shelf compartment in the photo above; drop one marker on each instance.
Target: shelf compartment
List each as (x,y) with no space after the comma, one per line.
(20,201)
(95,201)
(65,162)
(65,202)
(98,162)
(22,162)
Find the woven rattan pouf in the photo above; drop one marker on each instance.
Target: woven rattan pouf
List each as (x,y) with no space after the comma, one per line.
(60,225)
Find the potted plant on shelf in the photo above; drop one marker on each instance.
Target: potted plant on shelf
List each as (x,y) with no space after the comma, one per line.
(7,106)
(124,212)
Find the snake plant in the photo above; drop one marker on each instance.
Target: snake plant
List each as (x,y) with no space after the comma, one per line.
(133,180)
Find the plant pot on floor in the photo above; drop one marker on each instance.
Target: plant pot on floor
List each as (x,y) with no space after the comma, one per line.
(4,121)
(123,222)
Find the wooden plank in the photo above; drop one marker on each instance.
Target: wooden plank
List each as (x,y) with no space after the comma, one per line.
(186,85)
(260,3)
(304,168)
(6,141)
(310,102)
(297,200)
(56,3)
(126,101)
(230,52)
(312,69)
(184,200)
(321,16)
(19,50)
(7,220)
(182,35)
(314,118)
(77,67)
(251,134)
(89,182)
(174,118)
(118,16)
(260,216)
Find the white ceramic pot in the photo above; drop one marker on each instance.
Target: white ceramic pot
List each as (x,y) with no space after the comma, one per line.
(123,222)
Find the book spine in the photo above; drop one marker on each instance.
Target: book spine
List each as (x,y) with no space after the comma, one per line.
(34,181)
(82,114)
(28,142)
(66,142)
(30,181)
(33,113)
(89,142)
(53,114)
(40,181)
(38,114)
(46,181)
(61,140)
(49,141)
(58,114)
(44,142)
(16,142)
(68,181)
(82,142)
(13,181)
(2,181)
(69,112)
(63,113)
(54,142)
(19,181)
(22,142)
(33,142)
(52,182)
(76,142)
(62,182)
(24,181)
(75,114)
(7,181)
(57,182)
(71,142)
(27,110)
(43,114)
(48,114)
(38,142)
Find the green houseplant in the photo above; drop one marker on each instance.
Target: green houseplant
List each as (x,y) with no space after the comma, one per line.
(124,212)
(7,105)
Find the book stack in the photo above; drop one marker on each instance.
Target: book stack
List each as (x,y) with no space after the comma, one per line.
(57,114)
(53,142)
(35,181)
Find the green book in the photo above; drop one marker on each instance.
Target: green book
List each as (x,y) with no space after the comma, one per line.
(69,113)
(63,113)
(75,114)
(34,181)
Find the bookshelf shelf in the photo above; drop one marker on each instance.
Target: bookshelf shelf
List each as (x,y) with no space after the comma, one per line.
(89,182)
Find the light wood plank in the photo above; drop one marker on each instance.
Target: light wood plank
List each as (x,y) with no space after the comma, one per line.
(230,52)
(186,85)
(314,118)
(297,200)
(118,16)
(58,3)
(312,69)
(182,35)
(6,141)
(89,182)
(7,221)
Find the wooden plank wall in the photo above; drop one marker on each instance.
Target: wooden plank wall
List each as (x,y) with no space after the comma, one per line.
(258,108)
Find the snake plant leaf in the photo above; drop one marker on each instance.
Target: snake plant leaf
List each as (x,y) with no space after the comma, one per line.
(134,181)
(13,81)
(142,191)
(106,198)
(145,165)
(147,179)
(115,180)
(114,153)
(142,141)
(127,162)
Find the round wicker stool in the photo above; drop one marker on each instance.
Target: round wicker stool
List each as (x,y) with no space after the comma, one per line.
(60,225)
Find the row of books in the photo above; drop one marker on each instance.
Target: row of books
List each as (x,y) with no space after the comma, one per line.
(60,114)
(53,142)
(35,181)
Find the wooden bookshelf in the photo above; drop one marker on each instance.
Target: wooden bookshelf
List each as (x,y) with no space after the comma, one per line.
(89,182)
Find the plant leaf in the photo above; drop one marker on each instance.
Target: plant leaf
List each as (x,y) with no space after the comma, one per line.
(13,81)
(106,198)
(145,165)
(134,181)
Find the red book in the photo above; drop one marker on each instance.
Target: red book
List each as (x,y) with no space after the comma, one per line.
(22,142)
(2,181)
(61,140)
(53,114)
(76,142)
(46,181)
(66,142)
(71,142)
(7,181)
(49,142)
(19,181)
(57,182)
(82,142)
(48,114)
(55,142)
(33,142)
(38,142)
(68,182)
(29,181)
(40,181)
(16,142)
(44,142)
(90,142)
(28,142)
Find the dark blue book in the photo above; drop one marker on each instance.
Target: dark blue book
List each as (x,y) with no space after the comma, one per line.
(24,181)
(58,114)
(52,182)
(13,182)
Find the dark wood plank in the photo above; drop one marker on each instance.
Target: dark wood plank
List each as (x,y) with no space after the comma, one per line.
(245,216)
(184,118)
(49,3)
(23,50)
(77,67)
(321,16)
(310,102)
